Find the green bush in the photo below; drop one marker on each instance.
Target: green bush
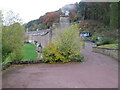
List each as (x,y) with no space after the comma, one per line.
(16,55)
(12,39)
(77,59)
(68,41)
(67,45)
(51,54)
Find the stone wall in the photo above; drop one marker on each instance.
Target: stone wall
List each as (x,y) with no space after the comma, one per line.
(45,39)
(107,51)
(5,66)
(36,36)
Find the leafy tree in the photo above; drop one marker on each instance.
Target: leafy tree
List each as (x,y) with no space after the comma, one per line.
(81,10)
(12,36)
(119,15)
(114,15)
(1,18)
(73,15)
(94,11)
(51,17)
(12,39)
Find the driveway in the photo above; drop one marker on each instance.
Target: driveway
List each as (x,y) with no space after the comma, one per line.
(97,71)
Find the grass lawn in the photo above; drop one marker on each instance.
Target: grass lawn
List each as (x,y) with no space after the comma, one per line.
(29,51)
(113,46)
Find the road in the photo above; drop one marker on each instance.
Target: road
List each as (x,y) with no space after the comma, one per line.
(97,71)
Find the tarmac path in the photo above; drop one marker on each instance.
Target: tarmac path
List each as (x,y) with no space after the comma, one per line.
(97,71)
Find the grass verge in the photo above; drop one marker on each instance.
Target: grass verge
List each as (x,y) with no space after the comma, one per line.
(112,46)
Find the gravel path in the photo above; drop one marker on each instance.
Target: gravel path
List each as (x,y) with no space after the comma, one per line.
(98,71)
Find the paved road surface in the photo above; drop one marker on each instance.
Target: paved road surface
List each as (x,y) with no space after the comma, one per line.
(98,71)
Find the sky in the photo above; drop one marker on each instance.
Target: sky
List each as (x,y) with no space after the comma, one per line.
(32,9)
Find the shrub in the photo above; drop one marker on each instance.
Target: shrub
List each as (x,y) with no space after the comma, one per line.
(16,55)
(77,59)
(67,45)
(51,54)
(68,41)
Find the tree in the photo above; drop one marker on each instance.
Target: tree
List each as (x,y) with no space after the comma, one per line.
(1,17)
(114,15)
(81,10)
(11,17)
(51,17)
(12,37)
(94,11)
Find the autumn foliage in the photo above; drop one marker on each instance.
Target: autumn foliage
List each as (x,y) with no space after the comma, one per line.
(50,17)
(53,17)
(47,20)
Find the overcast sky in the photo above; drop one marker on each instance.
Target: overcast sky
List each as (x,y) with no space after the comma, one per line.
(33,9)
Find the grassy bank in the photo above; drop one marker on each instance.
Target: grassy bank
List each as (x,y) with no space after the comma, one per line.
(112,46)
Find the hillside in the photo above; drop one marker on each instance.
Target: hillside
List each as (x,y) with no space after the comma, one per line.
(104,13)
(49,18)
(100,19)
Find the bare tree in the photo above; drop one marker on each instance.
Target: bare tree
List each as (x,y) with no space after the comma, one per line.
(11,17)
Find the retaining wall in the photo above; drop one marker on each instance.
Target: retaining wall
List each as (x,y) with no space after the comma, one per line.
(21,62)
(106,51)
